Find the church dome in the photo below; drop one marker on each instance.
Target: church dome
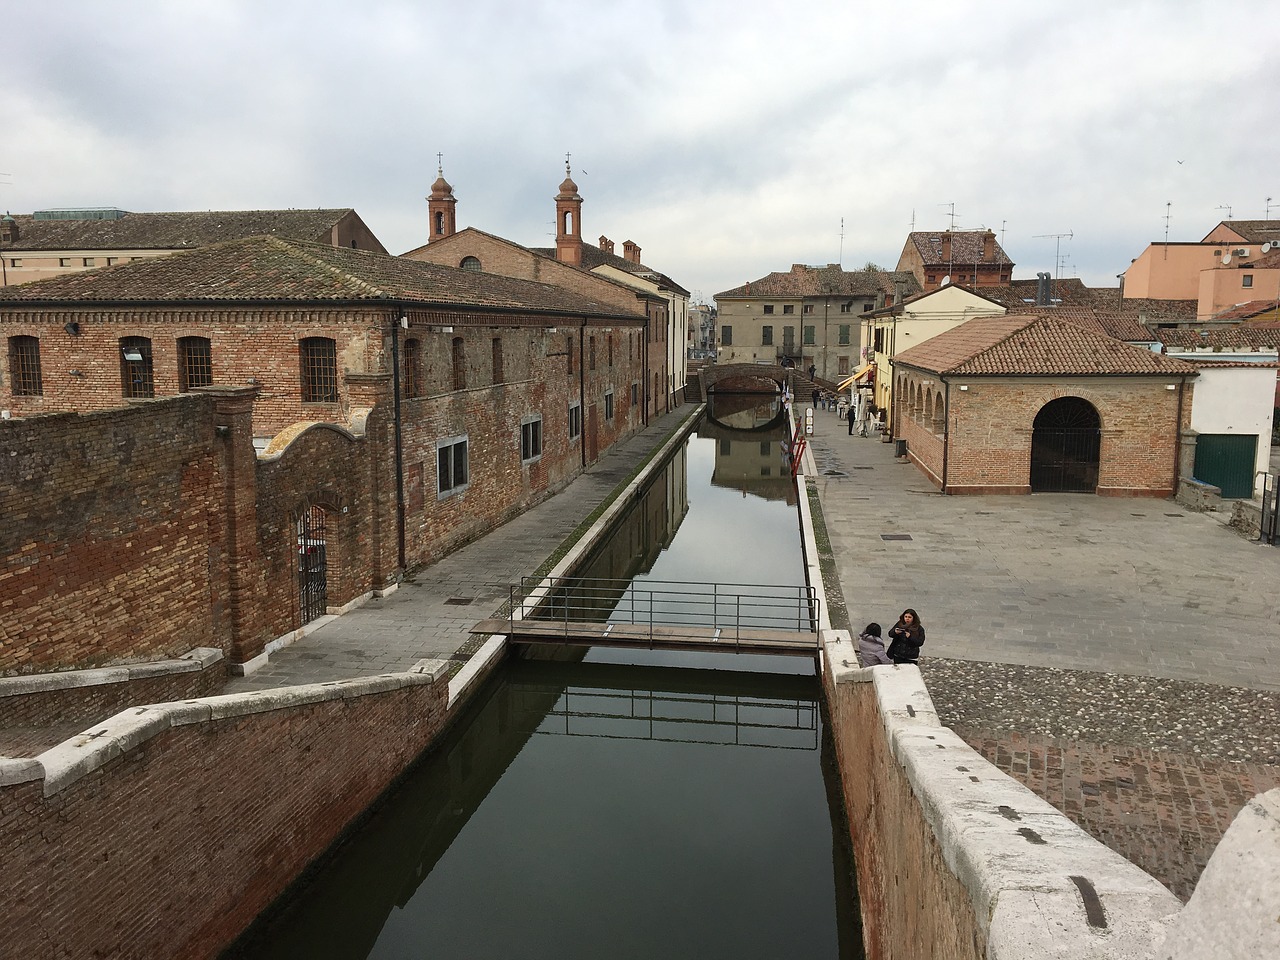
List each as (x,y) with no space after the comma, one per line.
(568,188)
(441,189)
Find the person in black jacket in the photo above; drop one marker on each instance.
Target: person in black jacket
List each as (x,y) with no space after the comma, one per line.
(906,637)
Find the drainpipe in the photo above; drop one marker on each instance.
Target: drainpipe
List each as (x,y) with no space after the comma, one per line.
(582,395)
(399,447)
(946,430)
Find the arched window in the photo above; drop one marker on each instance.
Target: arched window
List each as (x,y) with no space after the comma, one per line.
(470,263)
(459,364)
(439,223)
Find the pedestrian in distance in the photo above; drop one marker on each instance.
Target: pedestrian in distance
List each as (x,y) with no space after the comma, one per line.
(906,637)
(816,397)
(851,415)
(871,647)
(813,372)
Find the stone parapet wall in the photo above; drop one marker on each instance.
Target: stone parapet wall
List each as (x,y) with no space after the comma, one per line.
(167,829)
(957,860)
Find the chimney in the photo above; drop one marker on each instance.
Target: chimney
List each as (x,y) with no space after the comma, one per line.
(8,229)
(630,251)
(1042,289)
(988,247)
(606,244)
(946,246)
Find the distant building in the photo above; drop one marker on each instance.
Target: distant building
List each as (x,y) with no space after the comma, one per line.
(811,316)
(970,257)
(593,271)
(51,243)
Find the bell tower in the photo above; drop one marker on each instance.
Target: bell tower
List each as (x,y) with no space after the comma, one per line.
(568,221)
(442,206)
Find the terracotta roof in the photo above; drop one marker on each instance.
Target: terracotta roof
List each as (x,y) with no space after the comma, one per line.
(1241,336)
(1253,231)
(173,231)
(1118,325)
(270,269)
(1072,292)
(828,281)
(1034,346)
(1265,311)
(593,256)
(966,247)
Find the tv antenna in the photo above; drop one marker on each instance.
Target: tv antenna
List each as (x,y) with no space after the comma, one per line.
(1003,224)
(1168,215)
(1226,207)
(1267,217)
(841,260)
(952,213)
(1057,239)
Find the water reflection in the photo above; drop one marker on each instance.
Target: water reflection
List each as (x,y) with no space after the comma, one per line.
(586,810)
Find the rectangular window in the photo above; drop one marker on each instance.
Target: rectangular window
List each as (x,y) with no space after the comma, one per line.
(459,364)
(15,262)
(319,368)
(24,367)
(135,368)
(591,353)
(766,335)
(89,261)
(608,404)
(112,261)
(788,308)
(195,363)
(766,448)
(808,336)
(808,308)
(530,439)
(497,360)
(846,307)
(844,334)
(866,307)
(413,368)
(726,336)
(842,366)
(568,349)
(453,471)
(879,340)
(768,308)
(635,393)
(64,261)
(575,421)
(610,351)
(1246,280)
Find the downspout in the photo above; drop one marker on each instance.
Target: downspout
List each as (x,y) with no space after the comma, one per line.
(893,391)
(399,446)
(946,430)
(582,394)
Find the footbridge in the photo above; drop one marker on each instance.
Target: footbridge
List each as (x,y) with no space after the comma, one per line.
(661,615)
(743,378)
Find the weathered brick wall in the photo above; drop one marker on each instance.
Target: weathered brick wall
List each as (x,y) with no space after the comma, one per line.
(991,429)
(913,905)
(110,549)
(173,848)
(94,703)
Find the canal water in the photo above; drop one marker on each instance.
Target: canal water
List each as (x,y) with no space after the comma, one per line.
(617,803)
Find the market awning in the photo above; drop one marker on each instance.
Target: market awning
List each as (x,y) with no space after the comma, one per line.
(861,371)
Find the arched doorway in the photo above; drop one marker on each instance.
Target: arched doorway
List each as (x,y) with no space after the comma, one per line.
(1066,438)
(313,565)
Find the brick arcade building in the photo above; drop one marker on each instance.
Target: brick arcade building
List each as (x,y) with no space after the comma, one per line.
(1024,404)
(214,447)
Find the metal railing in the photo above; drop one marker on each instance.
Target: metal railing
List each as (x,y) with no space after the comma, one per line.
(667,610)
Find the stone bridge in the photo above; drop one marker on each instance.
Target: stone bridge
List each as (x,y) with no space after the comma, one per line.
(743,378)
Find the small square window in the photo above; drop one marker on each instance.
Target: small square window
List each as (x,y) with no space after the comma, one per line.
(768,308)
(89,262)
(788,308)
(808,308)
(64,261)
(15,262)
(1246,280)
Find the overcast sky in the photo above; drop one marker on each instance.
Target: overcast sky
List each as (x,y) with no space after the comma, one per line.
(727,139)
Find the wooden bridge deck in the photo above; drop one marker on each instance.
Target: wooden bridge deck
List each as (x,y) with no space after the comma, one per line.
(656,636)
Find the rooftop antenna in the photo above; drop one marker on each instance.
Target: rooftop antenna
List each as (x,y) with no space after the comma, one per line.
(913,219)
(1003,224)
(1267,217)
(951,214)
(1226,207)
(951,252)
(1057,239)
(841,260)
(1168,215)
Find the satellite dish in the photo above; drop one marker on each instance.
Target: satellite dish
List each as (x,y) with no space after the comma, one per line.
(1226,260)
(1266,248)
(945,280)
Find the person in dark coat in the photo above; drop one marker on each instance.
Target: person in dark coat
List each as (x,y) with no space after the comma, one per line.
(852,416)
(816,397)
(906,637)
(813,371)
(871,647)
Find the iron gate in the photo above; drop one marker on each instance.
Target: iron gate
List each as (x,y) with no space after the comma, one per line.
(1066,441)
(1269,529)
(313,575)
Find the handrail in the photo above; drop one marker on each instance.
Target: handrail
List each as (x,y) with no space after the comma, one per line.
(669,608)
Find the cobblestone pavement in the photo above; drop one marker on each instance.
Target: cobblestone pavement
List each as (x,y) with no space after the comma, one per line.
(1120,657)
(433,611)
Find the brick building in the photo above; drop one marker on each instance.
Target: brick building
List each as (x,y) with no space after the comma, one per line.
(50,243)
(971,257)
(593,271)
(253,434)
(1024,404)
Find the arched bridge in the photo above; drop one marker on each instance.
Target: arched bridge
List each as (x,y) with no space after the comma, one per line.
(743,378)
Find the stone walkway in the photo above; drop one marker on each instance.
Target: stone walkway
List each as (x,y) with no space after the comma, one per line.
(431,613)
(1121,658)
